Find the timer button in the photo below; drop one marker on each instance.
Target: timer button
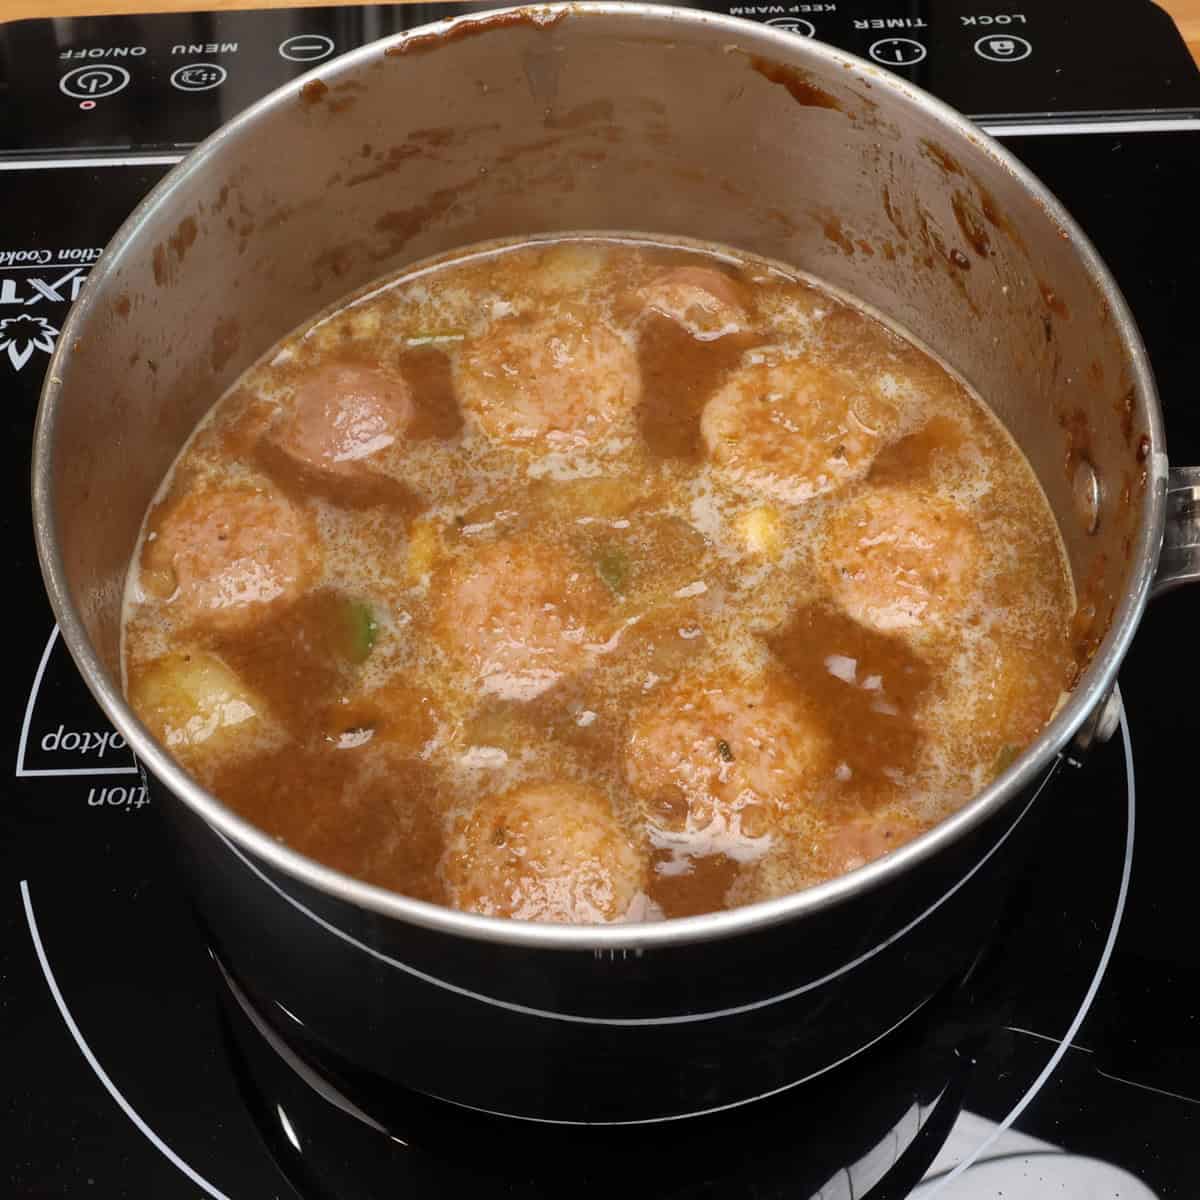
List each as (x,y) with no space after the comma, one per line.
(897,52)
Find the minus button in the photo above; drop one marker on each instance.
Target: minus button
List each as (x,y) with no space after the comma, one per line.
(306,47)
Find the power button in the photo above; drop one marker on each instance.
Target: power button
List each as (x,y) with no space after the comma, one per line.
(94,82)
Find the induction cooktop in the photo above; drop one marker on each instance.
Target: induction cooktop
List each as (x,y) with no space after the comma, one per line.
(1066,1063)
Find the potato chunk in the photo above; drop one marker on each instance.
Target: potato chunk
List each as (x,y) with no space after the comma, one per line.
(193,699)
(761,530)
(425,548)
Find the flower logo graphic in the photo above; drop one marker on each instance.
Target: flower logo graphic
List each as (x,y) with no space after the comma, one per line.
(22,335)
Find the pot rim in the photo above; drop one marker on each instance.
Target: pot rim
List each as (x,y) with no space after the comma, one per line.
(1038,757)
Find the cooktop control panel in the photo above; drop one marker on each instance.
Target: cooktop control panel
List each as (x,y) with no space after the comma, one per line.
(161,83)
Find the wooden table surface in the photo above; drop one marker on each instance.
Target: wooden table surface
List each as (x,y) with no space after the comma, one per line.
(1185,12)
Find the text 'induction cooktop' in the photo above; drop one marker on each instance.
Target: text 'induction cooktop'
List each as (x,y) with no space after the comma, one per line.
(1065,1064)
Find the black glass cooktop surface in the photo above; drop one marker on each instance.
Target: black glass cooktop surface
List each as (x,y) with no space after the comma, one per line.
(132,1070)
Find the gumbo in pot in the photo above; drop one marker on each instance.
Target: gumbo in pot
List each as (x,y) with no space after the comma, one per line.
(598,579)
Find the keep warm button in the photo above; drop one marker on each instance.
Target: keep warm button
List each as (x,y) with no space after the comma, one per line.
(1003,47)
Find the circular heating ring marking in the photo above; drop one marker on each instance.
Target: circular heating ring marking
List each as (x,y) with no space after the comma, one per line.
(935,1187)
(101,1074)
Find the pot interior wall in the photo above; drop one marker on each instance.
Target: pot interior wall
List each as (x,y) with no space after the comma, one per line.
(594,121)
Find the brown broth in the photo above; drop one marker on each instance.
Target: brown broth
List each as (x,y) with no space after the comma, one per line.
(705,583)
(679,374)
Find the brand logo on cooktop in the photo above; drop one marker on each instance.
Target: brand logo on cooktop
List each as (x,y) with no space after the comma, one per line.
(35,277)
(21,336)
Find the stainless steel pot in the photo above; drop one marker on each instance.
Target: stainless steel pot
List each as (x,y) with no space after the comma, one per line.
(595,117)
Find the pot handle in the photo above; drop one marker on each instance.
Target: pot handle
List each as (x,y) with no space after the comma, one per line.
(1179,561)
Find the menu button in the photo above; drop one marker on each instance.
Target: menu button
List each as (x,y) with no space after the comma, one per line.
(198,77)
